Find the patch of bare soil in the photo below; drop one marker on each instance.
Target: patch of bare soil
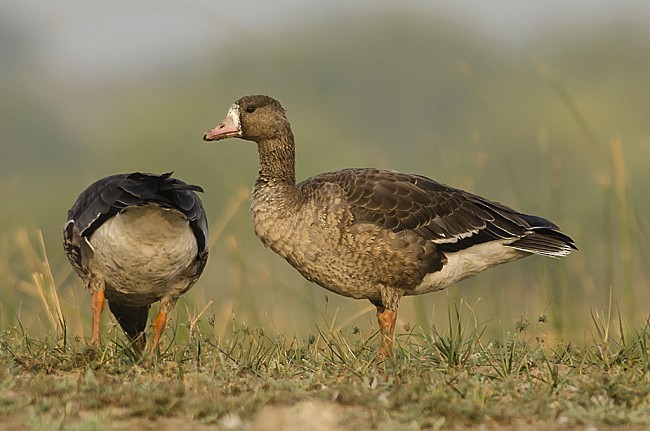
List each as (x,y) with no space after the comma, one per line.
(318,415)
(311,415)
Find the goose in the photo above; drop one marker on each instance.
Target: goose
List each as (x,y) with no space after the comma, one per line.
(375,234)
(135,239)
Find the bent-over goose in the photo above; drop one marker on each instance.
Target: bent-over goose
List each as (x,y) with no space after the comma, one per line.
(371,233)
(135,239)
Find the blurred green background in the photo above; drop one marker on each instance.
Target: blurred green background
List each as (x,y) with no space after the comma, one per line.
(541,106)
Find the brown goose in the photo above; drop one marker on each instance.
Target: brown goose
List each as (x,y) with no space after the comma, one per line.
(376,234)
(135,239)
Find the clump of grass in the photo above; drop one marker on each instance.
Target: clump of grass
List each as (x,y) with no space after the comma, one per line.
(41,283)
(458,344)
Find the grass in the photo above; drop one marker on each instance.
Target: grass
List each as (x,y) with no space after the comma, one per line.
(438,378)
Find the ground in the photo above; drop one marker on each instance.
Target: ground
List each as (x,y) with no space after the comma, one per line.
(251,381)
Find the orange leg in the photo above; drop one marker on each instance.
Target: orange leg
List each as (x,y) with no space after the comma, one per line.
(97,308)
(387,319)
(158,327)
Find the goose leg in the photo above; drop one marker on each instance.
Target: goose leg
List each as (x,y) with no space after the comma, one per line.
(159,324)
(97,308)
(387,319)
(166,306)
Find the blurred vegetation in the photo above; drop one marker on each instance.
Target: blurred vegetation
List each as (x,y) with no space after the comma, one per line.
(538,128)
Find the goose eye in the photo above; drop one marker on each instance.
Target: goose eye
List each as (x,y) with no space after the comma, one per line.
(250,109)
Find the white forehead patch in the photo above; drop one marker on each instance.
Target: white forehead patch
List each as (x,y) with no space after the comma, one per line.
(233,114)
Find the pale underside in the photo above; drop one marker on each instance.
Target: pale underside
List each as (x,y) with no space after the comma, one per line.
(467,263)
(143,254)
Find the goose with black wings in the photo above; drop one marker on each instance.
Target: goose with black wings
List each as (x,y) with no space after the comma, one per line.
(136,239)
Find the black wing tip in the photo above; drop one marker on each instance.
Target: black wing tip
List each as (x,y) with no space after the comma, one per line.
(546,242)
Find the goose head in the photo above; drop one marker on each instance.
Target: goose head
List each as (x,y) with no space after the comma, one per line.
(253,118)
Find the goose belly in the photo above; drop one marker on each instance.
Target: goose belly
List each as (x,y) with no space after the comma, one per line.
(467,263)
(353,261)
(143,253)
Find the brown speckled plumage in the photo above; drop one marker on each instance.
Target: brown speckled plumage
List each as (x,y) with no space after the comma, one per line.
(371,233)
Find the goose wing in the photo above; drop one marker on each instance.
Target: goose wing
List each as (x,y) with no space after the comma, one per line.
(452,218)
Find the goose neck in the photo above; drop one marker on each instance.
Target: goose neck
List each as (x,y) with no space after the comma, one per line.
(277,161)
